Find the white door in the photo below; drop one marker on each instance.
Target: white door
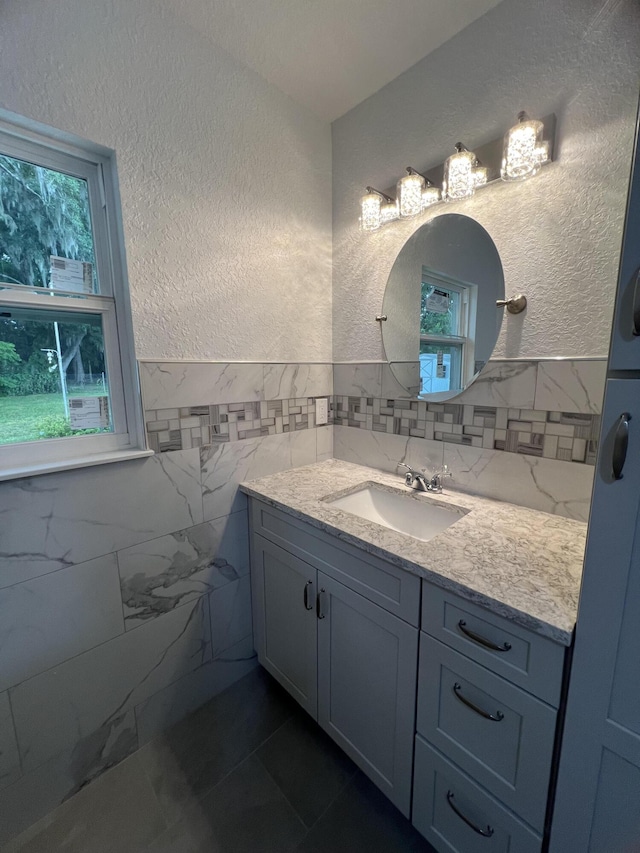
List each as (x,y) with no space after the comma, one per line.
(597,807)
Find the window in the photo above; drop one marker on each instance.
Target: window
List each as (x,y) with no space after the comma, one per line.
(68,379)
(447,320)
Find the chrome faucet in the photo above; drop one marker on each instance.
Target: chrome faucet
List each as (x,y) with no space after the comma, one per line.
(418,479)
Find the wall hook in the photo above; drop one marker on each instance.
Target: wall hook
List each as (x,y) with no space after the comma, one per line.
(380,318)
(514,305)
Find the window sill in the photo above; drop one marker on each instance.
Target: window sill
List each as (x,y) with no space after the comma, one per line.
(70,464)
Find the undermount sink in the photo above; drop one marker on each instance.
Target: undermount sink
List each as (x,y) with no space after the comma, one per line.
(419,516)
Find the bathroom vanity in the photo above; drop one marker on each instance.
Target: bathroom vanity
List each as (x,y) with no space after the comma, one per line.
(436,665)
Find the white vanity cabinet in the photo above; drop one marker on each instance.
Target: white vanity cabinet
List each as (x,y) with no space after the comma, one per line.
(484,745)
(339,630)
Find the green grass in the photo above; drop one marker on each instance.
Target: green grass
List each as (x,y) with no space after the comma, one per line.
(20,417)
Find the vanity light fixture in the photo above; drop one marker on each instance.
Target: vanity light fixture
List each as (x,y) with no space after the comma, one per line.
(410,193)
(517,155)
(524,151)
(462,174)
(372,214)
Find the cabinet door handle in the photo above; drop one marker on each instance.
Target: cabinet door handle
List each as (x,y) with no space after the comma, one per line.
(620,445)
(497,717)
(319,612)
(485,833)
(636,306)
(482,641)
(307,606)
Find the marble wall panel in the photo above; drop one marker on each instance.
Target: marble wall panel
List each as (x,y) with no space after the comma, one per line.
(57,520)
(170,705)
(48,619)
(303,447)
(357,380)
(503,383)
(171,384)
(226,465)
(230,608)
(571,385)
(561,488)
(9,757)
(324,443)
(282,381)
(83,700)
(384,451)
(160,575)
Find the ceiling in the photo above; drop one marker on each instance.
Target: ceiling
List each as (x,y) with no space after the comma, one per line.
(330,55)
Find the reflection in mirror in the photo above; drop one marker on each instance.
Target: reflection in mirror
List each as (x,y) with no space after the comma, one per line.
(440,301)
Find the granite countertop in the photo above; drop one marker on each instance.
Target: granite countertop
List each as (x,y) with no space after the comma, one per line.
(520,563)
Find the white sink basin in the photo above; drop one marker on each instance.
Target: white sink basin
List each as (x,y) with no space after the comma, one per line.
(421,517)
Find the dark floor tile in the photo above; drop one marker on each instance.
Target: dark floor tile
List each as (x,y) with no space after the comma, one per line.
(118,813)
(363,820)
(193,756)
(307,765)
(245,813)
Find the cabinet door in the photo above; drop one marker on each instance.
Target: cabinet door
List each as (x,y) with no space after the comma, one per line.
(367,672)
(284,620)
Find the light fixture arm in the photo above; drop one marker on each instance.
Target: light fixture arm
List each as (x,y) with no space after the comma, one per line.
(381,194)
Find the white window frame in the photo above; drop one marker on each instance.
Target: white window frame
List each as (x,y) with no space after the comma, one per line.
(28,141)
(465,339)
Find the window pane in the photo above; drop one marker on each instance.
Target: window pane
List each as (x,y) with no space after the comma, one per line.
(45,215)
(53,380)
(440,367)
(439,310)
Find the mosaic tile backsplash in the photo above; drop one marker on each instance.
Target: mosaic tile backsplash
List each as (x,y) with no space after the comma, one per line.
(200,426)
(566,436)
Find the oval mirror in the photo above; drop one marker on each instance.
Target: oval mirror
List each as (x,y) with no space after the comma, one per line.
(440,301)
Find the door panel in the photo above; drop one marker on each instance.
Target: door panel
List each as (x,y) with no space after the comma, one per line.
(603,689)
(367,670)
(285,629)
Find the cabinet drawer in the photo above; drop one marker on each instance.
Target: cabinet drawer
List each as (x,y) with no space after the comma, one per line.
(455,814)
(386,585)
(497,733)
(529,660)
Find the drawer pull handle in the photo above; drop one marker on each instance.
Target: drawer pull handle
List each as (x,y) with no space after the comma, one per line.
(319,612)
(497,717)
(485,833)
(482,641)
(307,606)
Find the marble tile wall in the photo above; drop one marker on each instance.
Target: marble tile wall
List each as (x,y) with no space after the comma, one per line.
(522,432)
(124,589)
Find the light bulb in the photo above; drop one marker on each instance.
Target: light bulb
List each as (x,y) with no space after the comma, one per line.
(371,218)
(410,193)
(524,150)
(460,172)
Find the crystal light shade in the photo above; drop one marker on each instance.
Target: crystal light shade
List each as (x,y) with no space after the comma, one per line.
(410,194)
(389,211)
(371,217)
(462,174)
(430,195)
(524,150)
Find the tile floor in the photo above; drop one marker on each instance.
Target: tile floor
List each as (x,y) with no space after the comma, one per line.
(249,772)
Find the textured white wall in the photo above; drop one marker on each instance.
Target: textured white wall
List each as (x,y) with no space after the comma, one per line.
(559,234)
(225,181)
